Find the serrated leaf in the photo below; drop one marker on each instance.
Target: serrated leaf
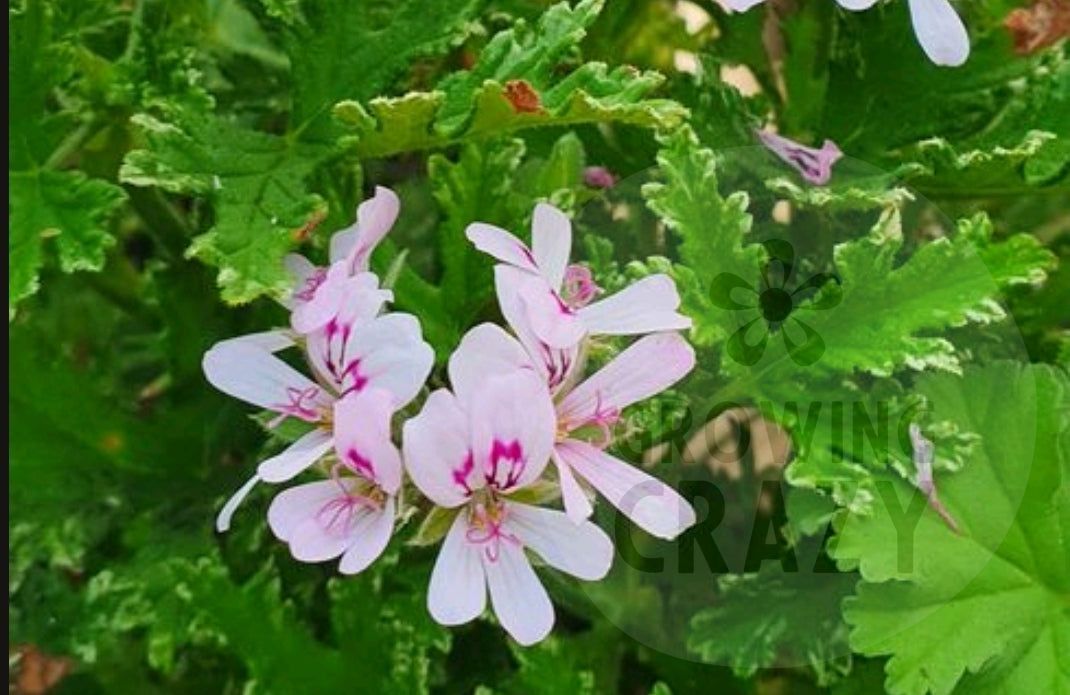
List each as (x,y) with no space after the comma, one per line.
(878,322)
(983,610)
(64,205)
(776,618)
(713,230)
(483,101)
(256,182)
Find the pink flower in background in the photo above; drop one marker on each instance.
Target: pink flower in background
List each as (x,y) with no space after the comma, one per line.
(815,165)
(551,303)
(472,451)
(357,352)
(937,26)
(319,292)
(599,177)
(584,419)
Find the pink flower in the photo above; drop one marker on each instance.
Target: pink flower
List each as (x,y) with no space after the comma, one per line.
(549,303)
(352,514)
(814,165)
(584,419)
(358,356)
(472,451)
(938,28)
(319,291)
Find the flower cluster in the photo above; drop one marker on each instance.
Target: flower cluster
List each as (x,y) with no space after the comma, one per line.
(517,401)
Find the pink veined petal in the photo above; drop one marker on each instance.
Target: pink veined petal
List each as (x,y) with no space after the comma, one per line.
(300,269)
(551,243)
(486,350)
(375,217)
(296,458)
(856,5)
(256,376)
(370,539)
(554,364)
(330,530)
(296,505)
(582,550)
(940,32)
(269,341)
(551,320)
(647,367)
(388,353)
(512,426)
(577,505)
(329,348)
(325,302)
(362,437)
(518,597)
(646,306)
(222,521)
(651,504)
(437,452)
(458,590)
(500,244)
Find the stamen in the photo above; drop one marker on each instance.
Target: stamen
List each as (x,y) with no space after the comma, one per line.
(297,406)
(485,528)
(579,288)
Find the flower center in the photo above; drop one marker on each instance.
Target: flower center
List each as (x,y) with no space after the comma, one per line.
(338,514)
(775,304)
(579,287)
(300,406)
(485,520)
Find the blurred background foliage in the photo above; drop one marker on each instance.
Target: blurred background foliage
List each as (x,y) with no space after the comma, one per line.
(164,156)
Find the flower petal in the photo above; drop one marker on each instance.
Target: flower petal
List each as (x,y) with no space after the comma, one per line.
(500,244)
(437,453)
(856,5)
(555,364)
(512,424)
(371,536)
(551,243)
(362,437)
(458,590)
(328,533)
(518,597)
(651,504)
(740,5)
(647,367)
(269,341)
(296,505)
(940,32)
(325,300)
(254,375)
(375,217)
(485,350)
(222,521)
(582,550)
(296,458)
(551,320)
(577,505)
(645,306)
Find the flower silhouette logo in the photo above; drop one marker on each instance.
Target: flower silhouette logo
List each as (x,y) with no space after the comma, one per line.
(774,305)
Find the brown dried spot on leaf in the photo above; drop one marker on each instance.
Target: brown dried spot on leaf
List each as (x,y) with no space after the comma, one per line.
(522,96)
(303,232)
(35,672)
(1038,26)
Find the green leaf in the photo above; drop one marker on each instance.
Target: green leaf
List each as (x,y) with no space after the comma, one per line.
(256,182)
(881,321)
(984,610)
(45,202)
(776,619)
(66,205)
(478,186)
(713,230)
(482,101)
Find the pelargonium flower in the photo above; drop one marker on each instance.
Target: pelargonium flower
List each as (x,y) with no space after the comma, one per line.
(472,450)
(938,28)
(319,291)
(558,298)
(584,419)
(815,165)
(357,351)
